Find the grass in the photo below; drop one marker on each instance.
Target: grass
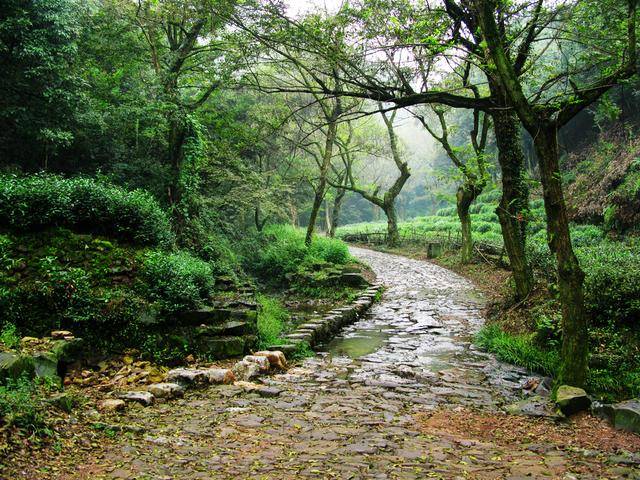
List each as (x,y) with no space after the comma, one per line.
(272,321)
(518,350)
(609,383)
(21,405)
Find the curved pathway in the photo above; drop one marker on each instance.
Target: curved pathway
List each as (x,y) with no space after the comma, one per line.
(400,394)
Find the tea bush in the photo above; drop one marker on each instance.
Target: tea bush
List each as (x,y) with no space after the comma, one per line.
(281,251)
(177,281)
(43,201)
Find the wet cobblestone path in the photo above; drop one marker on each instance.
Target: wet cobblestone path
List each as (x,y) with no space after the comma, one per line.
(400,394)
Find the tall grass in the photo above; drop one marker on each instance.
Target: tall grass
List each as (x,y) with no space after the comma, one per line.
(272,319)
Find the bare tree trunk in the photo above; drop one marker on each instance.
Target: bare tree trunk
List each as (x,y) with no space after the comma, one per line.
(335,213)
(575,337)
(321,189)
(465,196)
(393,236)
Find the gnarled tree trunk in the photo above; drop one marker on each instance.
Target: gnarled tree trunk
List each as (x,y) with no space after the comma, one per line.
(575,337)
(393,236)
(515,198)
(335,212)
(465,196)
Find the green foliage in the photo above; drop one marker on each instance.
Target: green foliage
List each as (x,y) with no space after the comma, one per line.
(303,350)
(21,405)
(39,43)
(612,282)
(283,251)
(518,349)
(43,201)
(9,336)
(177,281)
(272,321)
(164,349)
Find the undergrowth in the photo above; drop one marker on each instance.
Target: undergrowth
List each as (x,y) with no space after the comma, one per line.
(272,320)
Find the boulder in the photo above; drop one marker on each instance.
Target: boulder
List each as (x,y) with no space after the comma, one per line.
(276,358)
(571,400)
(166,390)
(141,397)
(262,362)
(111,405)
(68,350)
(245,370)
(626,415)
(46,365)
(14,366)
(187,376)
(220,376)
(221,347)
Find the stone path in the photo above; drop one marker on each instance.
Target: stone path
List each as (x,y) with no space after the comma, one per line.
(400,394)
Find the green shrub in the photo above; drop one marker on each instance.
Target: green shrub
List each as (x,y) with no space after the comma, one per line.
(612,282)
(9,336)
(177,281)
(21,405)
(330,250)
(218,251)
(272,319)
(42,201)
(282,251)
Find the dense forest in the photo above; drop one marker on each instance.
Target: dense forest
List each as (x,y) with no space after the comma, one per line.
(180,180)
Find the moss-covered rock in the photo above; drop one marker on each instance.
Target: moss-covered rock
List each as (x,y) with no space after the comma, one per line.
(571,400)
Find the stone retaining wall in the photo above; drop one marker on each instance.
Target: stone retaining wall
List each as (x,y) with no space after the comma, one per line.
(322,328)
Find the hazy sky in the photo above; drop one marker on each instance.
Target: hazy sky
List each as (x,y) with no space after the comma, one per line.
(420,147)
(300,6)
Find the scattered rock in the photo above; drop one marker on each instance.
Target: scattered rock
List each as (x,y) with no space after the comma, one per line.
(143,398)
(262,362)
(63,400)
(571,400)
(276,358)
(187,376)
(534,406)
(61,335)
(246,370)
(166,390)
(544,387)
(112,405)
(262,390)
(14,366)
(626,415)
(220,376)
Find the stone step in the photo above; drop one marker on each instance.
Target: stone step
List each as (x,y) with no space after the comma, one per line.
(213,315)
(218,347)
(228,328)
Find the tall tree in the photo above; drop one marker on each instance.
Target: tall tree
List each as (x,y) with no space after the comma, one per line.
(393,56)
(38,43)
(386,201)
(473,170)
(545,111)
(190,55)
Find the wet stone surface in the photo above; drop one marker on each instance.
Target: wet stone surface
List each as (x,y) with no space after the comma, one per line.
(418,340)
(357,409)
